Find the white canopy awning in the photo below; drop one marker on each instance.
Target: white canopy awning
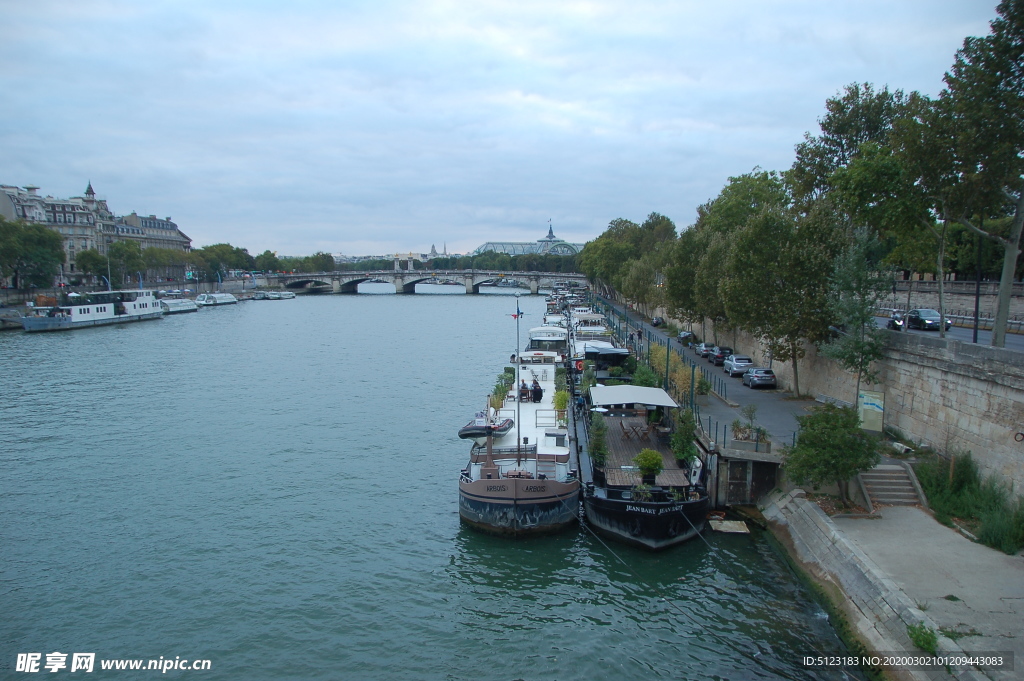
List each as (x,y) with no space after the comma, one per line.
(630,394)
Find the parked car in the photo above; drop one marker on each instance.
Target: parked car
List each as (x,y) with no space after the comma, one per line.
(702,349)
(925,319)
(685,337)
(755,376)
(718,354)
(657,321)
(734,365)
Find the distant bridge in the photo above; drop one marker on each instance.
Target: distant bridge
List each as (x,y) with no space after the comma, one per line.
(405,281)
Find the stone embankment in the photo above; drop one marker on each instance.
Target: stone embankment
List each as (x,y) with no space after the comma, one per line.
(877,610)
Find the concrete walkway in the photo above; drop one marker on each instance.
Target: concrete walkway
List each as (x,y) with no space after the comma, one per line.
(931,563)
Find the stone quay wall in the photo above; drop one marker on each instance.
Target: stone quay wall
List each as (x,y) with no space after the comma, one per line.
(958,296)
(941,393)
(878,611)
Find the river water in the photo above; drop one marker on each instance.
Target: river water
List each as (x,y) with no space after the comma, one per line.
(272,486)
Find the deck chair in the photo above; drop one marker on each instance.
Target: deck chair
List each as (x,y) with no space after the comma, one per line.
(645,434)
(626,434)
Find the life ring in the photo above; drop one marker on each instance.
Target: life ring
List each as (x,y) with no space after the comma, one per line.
(716,515)
(579,365)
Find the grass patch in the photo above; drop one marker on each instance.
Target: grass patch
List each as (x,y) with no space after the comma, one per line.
(955,490)
(954,635)
(924,637)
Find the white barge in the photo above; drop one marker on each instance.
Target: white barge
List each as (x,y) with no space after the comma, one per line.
(95,309)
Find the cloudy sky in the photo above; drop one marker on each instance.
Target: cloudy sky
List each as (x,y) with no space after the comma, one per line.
(379,126)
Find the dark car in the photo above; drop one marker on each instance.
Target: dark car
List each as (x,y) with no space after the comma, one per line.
(657,321)
(925,319)
(685,337)
(755,376)
(718,355)
(702,349)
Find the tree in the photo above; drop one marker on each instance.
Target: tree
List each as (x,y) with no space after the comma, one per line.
(9,247)
(40,254)
(91,262)
(831,447)
(267,262)
(857,285)
(321,262)
(125,259)
(861,114)
(983,106)
(777,286)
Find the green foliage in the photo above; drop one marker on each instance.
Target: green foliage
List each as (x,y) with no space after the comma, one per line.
(645,376)
(924,637)
(858,285)
(831,447)
(955,490)
(506,379)
(649,462)
(31,253)
(703,385)
(267,262)
(91,262)
(561,400)
(641,492)
(598,439)
(224,257)
(683,446)
(125,260)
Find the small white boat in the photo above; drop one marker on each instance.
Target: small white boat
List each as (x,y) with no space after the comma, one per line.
(178,305)
(95,309)
(214,299)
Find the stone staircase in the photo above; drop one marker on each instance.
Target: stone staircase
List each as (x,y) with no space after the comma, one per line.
(890,484)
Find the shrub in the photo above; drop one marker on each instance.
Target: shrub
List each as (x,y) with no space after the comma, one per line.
(955,490)
(649,462)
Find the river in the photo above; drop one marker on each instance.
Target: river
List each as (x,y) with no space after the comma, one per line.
(272,486)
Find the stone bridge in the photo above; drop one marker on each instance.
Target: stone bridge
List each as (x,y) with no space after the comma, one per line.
(405,281)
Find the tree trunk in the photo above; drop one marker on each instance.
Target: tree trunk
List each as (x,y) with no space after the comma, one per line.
(796,369)
(941,268)
(843,496)
(1011,251)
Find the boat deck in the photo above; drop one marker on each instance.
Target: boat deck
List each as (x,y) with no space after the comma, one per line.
(536,422)
(622,448)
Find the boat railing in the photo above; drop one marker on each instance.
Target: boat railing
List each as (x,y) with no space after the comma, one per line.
(522,449)
(546,418)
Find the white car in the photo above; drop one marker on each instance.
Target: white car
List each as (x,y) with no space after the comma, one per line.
(735,365)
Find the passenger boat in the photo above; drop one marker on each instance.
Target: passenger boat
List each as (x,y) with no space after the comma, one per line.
(95,309)
(523,481)
(215,299)
(173,304)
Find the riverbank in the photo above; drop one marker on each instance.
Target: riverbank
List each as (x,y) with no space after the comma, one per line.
(874,599)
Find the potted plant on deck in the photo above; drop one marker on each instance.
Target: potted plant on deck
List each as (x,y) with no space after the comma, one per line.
(650,464)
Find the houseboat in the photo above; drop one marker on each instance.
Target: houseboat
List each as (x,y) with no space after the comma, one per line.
(95,309)
(523,481)
(618,501)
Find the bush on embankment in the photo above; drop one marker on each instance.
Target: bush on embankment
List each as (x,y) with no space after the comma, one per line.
(955,490)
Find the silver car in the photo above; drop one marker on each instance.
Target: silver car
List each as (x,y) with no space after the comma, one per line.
(756,376)
(735,365)
(703,349)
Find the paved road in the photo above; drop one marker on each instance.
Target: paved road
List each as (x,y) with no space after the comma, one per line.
(1014,341)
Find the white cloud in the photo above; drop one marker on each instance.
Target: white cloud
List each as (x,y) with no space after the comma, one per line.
(393,125)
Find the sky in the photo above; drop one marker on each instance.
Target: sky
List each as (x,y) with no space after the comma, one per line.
(378,127)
